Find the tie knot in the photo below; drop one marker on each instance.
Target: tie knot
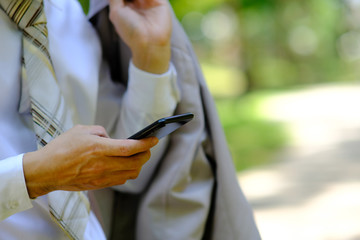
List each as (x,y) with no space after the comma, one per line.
(24,13)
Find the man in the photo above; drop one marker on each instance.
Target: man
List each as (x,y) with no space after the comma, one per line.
(188,189)
(84,157)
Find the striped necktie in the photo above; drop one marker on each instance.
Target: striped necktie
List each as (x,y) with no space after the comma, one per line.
(50,115)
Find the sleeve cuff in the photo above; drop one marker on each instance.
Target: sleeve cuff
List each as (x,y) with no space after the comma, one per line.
(14,196)
(158,92)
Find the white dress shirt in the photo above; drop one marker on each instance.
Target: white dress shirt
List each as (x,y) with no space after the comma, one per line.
(87,87)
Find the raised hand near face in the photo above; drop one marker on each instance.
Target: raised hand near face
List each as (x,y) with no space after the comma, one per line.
(145,26)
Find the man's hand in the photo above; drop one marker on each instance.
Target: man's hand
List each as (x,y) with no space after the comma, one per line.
(84,158)
(145,26)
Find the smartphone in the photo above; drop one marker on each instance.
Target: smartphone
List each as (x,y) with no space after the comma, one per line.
(163,126)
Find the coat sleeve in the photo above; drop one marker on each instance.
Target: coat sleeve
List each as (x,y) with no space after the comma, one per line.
(195,194)
(129,99)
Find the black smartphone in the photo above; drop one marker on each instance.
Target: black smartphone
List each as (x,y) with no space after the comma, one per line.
(163,126)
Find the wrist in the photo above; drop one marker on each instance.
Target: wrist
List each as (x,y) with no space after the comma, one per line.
(153,59)
(35,184)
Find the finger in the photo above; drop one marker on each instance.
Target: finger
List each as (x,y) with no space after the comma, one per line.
(92,129)
(131,174)
(111,164)
(127,147)
(116,178)
(116,3)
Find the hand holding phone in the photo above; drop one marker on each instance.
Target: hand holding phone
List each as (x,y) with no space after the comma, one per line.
(163,126)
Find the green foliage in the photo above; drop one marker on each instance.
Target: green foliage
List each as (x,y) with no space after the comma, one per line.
(255,3)
(182,7)
(85,4)
(277,44)
(292,43)
(223,80)
(253,140)
(283,43)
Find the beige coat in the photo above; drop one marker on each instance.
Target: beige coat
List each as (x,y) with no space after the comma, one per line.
(194,193)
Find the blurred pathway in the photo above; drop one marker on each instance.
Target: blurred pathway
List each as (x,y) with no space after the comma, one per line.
(313,191)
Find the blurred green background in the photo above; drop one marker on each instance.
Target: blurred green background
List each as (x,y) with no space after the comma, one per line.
(251,50)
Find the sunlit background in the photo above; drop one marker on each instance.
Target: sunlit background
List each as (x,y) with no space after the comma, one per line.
(285,78)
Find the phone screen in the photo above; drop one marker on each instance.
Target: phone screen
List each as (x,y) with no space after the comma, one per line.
(163,126)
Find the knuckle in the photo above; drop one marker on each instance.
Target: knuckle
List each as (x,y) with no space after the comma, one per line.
(112,14)
(134,164)
(134,174)
(139,160)
(121,182)
(78,127)
(148,154)
(145,156)
(124,150)
(94,147)
(98,183)
(128,148)
(99,128)
(163,40)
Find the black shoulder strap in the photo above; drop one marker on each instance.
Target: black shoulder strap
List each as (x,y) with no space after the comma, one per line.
(113,48)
